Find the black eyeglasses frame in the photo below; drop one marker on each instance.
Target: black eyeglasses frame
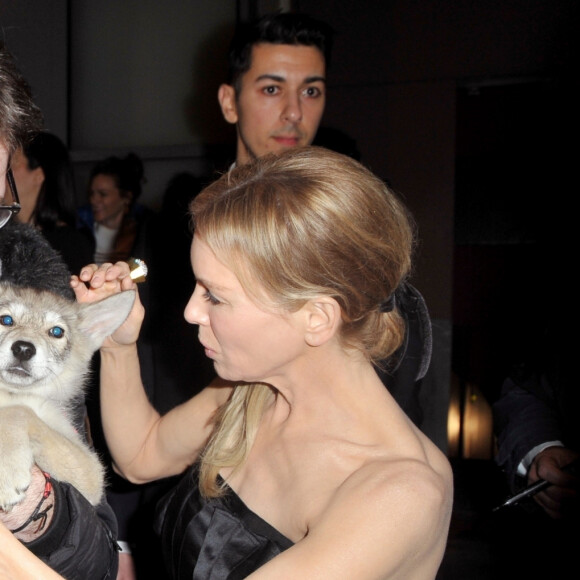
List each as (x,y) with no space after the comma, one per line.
(15,207)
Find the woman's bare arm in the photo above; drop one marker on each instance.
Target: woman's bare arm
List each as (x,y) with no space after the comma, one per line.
(144,445)
(18,563)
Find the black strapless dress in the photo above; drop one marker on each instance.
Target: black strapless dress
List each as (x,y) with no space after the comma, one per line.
(217,539)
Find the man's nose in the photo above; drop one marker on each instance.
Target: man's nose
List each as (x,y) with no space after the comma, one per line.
(292,109)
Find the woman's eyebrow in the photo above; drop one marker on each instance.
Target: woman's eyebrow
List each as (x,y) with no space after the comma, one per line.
(210,284)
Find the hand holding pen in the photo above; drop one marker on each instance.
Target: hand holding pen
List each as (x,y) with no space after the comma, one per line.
(561,494)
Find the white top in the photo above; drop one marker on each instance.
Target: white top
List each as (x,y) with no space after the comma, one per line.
(105,240)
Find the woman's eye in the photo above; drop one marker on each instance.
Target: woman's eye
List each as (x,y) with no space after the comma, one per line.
(56,332)
(210,297)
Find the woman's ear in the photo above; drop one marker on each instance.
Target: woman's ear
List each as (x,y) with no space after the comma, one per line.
(323,319)
(227,101)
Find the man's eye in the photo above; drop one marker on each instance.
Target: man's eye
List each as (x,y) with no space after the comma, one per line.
(312,92)
(6,320)
(270,90)
(211,298)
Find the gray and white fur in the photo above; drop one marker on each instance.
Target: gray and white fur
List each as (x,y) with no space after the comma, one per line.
(46,345)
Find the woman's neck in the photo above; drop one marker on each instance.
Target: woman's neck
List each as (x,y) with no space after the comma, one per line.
(113,222)
(334,379)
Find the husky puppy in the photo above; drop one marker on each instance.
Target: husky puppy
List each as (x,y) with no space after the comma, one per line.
(46,344)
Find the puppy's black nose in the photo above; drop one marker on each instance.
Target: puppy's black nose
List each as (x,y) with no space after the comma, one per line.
(23,350)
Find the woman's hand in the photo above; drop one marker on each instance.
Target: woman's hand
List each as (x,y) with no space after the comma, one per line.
(95,283)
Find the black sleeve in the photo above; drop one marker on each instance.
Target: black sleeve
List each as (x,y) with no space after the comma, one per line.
(80,543)
(524,416)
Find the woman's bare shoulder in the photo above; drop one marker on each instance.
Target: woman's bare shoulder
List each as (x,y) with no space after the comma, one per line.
(388,519)
(401,479)
(406,501)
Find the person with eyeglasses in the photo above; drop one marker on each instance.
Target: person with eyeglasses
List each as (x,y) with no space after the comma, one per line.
(25,257)
(11,206)
(75,539)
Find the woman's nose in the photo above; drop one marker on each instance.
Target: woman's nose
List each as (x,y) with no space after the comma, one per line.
(196,311)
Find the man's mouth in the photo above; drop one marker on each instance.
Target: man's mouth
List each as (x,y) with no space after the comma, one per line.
(287,140)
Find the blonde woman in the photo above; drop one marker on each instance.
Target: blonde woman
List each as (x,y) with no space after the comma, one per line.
(298,462)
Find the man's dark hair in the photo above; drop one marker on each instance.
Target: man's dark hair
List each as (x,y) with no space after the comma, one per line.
(20,118)
(282,28)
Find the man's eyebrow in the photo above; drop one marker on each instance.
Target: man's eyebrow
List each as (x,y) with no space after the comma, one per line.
(281,79)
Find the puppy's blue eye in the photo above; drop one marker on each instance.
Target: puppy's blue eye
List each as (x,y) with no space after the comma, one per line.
(6,320)
(56,331)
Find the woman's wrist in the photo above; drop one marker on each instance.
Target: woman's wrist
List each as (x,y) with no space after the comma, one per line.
(112,346)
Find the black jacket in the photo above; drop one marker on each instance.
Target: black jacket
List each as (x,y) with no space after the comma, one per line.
(80,542)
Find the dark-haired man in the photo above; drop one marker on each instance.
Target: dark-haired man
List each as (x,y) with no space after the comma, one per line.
(276,89)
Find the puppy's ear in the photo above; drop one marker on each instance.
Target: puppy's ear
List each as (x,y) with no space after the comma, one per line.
(101,319)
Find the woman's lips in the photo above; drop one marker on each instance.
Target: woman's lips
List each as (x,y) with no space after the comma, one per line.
(209,352)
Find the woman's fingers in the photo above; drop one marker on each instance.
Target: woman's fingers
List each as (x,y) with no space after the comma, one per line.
(96,282)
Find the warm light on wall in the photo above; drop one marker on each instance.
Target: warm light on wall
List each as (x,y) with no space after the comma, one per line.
(469,422)
(454,418)
(477,425)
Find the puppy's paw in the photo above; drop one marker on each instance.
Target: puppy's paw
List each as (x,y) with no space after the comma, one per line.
(10,497)
(16,461)
(14,481)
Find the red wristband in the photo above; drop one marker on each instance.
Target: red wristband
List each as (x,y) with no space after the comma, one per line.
(37,514)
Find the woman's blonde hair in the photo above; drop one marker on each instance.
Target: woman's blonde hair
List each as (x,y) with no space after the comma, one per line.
(304,223)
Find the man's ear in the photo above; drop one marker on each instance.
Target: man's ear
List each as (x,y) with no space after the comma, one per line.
(227,101)
(323,318)
(39,176)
